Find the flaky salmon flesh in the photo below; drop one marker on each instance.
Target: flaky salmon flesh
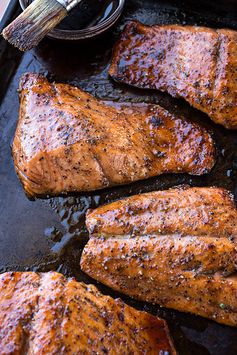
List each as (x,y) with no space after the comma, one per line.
(198,64)
(45,314)
(66,140)
(176,248)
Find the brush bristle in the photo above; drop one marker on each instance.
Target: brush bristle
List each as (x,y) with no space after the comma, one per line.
(28,29)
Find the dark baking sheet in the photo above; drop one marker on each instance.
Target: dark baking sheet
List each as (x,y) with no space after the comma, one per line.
(49,234)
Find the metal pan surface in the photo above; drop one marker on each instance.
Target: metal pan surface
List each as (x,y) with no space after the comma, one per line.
(49,234)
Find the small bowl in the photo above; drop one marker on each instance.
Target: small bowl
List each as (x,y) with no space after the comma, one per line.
(89,32)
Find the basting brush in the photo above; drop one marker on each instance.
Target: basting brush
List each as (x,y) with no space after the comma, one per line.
(32,25)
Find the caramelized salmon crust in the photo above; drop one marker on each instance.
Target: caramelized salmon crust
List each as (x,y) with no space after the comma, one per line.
(45,314)
(66,140)
(195,63)
(176,248)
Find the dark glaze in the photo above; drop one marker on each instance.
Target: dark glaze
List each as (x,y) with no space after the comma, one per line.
(195,63)
(66,140)
(45,313)
(87,13)
(176,248)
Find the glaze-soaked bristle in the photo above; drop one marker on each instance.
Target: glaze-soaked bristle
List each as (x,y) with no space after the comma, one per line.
(28,29)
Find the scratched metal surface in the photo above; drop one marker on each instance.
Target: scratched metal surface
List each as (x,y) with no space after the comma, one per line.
(50,234)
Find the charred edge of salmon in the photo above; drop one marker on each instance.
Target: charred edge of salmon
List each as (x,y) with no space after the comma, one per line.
(113,68)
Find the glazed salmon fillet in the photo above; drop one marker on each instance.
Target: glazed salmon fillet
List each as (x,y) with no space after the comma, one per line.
(176,248)
(66,140)
(49,314)
(197,64)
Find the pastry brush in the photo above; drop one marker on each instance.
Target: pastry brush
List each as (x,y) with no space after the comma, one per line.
(32,25)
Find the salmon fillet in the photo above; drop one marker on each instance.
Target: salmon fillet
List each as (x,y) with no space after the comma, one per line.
(176,248)
(49,314)
(195,63)
(66,140)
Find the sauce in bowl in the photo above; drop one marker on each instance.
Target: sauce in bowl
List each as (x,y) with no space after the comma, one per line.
(88,19)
